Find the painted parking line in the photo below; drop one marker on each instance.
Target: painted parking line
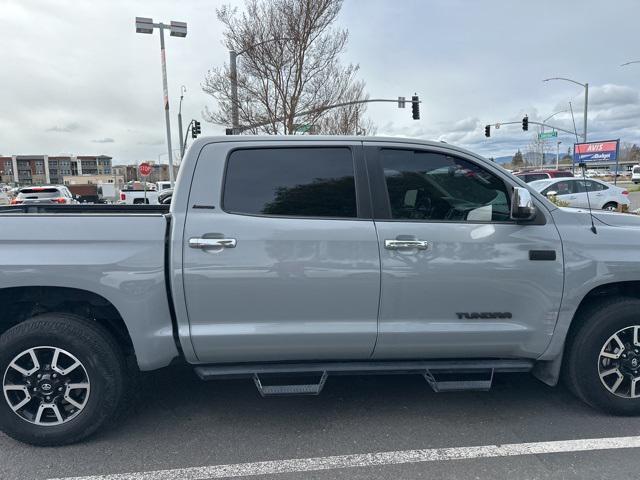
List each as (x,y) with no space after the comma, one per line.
(372,459)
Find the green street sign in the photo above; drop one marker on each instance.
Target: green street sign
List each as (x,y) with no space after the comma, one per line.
(303,127)
(544,135)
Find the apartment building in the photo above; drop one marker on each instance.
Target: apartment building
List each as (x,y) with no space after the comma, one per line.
(49,169)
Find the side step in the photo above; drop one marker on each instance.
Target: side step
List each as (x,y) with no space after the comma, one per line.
(292,389)
(441,375)
(477,381)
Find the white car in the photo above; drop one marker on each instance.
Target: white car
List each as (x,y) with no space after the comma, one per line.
(573,191)
(635,174)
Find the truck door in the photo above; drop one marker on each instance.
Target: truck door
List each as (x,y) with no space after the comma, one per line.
(280,254)
(459,278)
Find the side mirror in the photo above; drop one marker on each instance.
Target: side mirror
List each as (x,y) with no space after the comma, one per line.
(551,194)
(522,207)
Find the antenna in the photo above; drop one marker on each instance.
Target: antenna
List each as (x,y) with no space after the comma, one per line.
(583,166)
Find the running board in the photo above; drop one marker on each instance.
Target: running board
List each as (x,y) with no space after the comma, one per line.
(441,375)
(292,389)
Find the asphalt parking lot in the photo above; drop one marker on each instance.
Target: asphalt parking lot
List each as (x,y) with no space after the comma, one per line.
(634,198)
(182,423)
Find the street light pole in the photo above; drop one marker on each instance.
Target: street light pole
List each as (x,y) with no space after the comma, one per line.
(165,90)
(558,155)
(586,99)
(177,29)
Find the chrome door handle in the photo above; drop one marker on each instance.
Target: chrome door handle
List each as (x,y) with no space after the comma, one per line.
(212,242)
(399,244)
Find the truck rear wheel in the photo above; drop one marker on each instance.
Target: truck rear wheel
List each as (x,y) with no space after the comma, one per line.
(602,364)
(62,377)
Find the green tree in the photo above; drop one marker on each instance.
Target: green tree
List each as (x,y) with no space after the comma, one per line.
(517,160)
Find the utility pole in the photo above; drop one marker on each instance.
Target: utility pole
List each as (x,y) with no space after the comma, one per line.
(558,155)
(233,73)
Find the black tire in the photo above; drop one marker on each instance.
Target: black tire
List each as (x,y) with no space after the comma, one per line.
(581,366)
(98,353)
(610,206)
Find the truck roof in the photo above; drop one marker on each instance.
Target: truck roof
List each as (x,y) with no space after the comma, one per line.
(200,142)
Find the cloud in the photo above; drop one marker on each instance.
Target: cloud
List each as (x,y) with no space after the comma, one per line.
(157,141)
(69,127)
(103,140)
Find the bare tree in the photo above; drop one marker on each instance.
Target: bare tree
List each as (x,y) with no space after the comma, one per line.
(289,65)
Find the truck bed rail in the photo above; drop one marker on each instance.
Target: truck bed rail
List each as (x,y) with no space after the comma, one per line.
(92,208)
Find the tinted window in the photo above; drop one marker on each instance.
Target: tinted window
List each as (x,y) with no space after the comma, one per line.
(309,182)
(434,186)
(39,192)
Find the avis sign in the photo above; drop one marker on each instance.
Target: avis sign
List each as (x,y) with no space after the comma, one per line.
(606,151)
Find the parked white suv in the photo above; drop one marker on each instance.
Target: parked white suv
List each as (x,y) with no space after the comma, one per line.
(573,191)
(635,174)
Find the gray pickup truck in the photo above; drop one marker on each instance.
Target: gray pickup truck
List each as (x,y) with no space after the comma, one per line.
(290,259)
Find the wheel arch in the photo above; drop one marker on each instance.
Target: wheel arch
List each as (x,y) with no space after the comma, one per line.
(548,369)
(22,303)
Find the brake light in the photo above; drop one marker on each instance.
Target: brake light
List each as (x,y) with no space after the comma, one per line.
(625,192)
(15,201)
(60,200)
(123,197)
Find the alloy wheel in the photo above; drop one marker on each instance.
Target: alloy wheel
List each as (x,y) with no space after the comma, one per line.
(46,386)
(619,363)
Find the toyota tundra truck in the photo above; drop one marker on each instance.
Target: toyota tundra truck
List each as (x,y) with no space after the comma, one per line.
(287,260)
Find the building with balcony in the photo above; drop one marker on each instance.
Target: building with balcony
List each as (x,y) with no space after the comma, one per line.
(46,169)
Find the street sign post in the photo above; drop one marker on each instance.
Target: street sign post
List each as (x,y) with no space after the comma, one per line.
(545,135)
(145,169)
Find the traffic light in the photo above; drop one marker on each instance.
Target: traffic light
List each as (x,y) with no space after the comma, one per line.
(487,131)
(195,129)
(415,107)
(525,123)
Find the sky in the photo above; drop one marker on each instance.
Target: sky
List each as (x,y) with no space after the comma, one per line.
(77,78)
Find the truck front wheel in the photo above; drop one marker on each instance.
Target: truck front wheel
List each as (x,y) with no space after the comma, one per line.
(62,379)
(602,364)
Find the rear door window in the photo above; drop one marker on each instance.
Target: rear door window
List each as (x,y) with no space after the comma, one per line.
(300,182)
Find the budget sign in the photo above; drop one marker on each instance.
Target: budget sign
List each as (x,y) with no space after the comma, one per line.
(606,151)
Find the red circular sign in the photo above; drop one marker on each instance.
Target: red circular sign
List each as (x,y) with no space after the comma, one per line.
(145,169)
